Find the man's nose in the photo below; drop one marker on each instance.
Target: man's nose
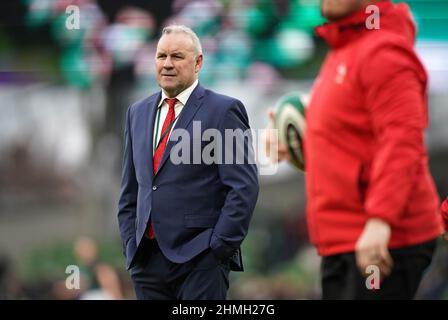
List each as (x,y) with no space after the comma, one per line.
(168,63)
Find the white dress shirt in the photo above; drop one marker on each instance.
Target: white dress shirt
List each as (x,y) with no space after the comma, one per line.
(182,99)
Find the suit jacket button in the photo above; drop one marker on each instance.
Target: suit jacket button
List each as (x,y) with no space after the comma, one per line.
(154,188)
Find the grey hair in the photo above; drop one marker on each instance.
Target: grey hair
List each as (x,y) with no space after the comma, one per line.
(174,28)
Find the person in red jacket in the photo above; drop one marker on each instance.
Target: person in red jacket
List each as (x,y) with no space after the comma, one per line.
(372,207)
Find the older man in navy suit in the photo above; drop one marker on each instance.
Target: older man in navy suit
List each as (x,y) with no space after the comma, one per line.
(182,222)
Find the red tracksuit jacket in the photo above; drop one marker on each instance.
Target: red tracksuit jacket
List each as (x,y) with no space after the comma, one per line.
(364,141)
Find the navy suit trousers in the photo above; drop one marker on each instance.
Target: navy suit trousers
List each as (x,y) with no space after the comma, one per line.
(154,277)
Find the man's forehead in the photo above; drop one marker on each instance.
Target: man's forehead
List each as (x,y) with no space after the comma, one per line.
(175,42)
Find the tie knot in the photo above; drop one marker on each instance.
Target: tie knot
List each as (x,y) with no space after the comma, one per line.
(171,102)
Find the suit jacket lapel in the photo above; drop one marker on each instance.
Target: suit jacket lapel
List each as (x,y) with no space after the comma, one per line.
(186,116)
(149,119)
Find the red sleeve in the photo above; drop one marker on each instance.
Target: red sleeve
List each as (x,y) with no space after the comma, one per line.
(396,102)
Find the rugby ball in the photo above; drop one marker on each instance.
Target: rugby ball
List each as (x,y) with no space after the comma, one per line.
(290,123)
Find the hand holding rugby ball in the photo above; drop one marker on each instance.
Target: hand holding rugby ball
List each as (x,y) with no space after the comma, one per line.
(290,123)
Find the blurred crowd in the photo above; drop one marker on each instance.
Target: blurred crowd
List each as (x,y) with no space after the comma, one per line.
(87,278)
(240,38)
(256,40)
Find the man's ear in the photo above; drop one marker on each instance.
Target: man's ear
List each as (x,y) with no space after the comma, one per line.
(199,61)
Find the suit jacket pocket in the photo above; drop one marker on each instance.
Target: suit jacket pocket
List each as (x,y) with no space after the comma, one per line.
(199,221)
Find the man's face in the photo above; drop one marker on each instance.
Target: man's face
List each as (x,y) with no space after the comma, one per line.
(177,66)
(334,10)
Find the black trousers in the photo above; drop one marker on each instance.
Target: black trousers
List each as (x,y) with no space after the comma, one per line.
(154,277)
(341,278)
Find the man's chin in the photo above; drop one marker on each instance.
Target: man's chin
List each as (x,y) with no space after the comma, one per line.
(167,85)
(331,16)
(170,89)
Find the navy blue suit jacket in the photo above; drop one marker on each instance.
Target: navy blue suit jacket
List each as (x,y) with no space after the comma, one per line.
(192,206)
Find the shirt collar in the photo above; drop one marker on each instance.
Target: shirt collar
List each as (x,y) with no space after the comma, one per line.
(181,97)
